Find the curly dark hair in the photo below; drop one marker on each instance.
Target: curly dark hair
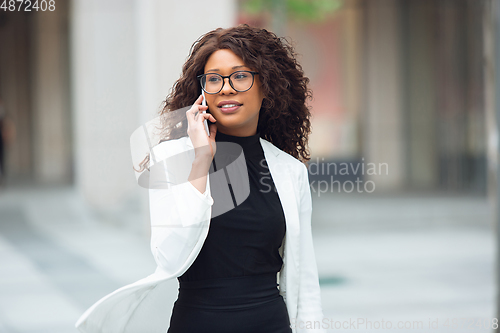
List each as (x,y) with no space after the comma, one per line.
(283,117)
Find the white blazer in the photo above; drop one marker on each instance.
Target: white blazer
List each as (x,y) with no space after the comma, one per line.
(140,307)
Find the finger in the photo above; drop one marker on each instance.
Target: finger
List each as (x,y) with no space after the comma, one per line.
(198,100)
(207,116)
(194,110)
(189,112)
(201,112)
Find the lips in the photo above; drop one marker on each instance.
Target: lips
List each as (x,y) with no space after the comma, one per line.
(228,102)
(229,109)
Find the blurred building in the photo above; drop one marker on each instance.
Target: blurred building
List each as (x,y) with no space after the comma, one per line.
(78,80)
(399,83)
(395,83)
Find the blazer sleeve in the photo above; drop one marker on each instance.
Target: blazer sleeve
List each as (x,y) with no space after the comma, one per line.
(309,301)
(179,213)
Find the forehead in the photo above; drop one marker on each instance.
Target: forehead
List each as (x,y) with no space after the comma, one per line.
(224,60)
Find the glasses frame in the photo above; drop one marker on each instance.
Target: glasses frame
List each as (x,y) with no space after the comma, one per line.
(200,77)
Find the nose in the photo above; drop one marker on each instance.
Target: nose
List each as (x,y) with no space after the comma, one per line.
(226,87)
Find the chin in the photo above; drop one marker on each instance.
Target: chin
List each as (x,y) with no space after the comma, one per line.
(229,125)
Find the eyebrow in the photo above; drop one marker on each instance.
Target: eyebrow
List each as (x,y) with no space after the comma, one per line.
(216,69)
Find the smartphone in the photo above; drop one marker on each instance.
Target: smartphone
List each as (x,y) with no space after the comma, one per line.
(204,102)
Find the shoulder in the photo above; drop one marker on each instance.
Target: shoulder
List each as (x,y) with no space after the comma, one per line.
(285,158)
(169,148)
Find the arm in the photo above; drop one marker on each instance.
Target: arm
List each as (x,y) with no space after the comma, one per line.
(199,171)
(179,212)
(309,303)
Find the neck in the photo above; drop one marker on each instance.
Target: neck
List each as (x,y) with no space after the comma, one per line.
(238,132)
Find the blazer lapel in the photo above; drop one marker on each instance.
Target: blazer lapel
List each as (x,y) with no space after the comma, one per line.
(286,192)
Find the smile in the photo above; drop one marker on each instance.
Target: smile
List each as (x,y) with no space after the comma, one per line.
(229,108)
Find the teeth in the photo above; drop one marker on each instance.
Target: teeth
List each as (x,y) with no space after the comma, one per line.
(229,105)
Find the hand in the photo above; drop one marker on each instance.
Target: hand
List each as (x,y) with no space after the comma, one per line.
(203,144)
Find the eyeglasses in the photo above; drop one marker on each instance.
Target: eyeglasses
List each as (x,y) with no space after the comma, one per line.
(212,83)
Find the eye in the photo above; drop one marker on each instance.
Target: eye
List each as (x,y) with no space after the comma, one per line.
(240,75)
(213,78)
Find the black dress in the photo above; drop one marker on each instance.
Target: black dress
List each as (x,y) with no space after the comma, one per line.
(232,284)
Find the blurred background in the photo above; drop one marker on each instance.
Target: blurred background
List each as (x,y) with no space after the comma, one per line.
(404,151)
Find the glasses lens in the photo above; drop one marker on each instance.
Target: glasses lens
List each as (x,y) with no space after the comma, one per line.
(241,80)
(211,83)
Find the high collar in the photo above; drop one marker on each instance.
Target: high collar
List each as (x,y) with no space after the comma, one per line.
(244,141)
(268,147)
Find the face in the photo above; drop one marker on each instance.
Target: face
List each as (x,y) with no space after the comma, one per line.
(243,121)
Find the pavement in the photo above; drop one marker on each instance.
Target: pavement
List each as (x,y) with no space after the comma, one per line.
(399,262)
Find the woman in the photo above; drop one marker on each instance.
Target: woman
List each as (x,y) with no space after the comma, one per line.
(236,230)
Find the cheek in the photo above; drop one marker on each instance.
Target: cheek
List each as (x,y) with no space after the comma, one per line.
(211,105)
